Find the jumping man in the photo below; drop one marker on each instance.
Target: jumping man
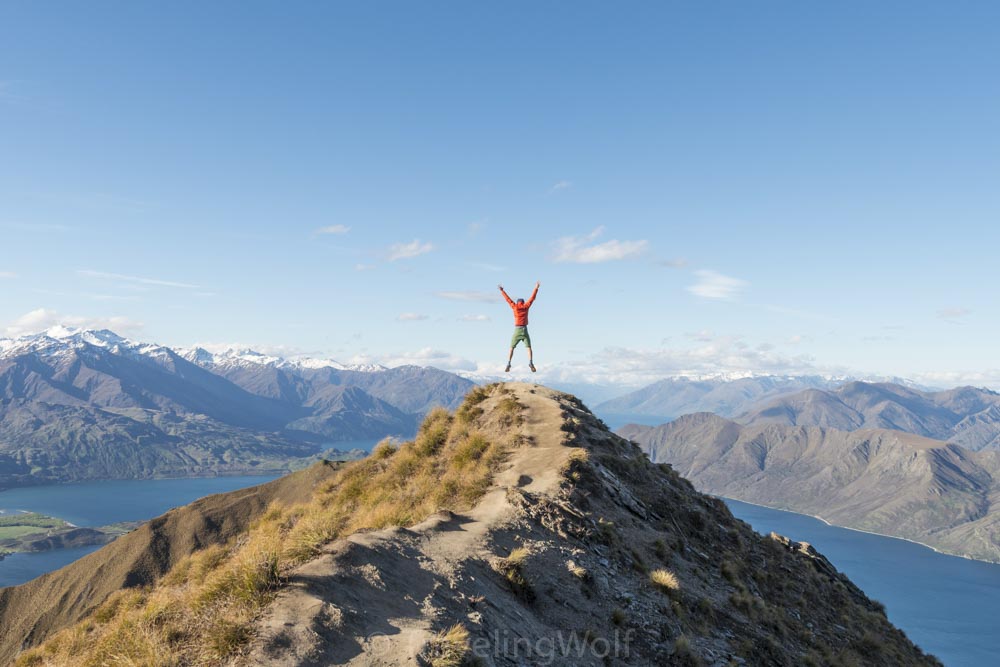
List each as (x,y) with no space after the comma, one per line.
(520,309)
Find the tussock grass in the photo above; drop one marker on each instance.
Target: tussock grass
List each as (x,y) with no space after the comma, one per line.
(512,569)
(449,648)
(577,570)
(203,611)
(665,580)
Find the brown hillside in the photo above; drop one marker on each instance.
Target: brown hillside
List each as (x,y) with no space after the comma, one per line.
(31,612)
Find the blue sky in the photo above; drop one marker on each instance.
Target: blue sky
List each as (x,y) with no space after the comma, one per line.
(700,187)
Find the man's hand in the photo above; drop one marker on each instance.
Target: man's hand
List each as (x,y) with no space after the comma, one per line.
(538,284)
(501,287)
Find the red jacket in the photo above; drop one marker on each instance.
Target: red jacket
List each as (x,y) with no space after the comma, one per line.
(520,309)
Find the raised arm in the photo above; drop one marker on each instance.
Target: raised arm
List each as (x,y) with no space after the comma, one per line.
(510,302)
(534,294)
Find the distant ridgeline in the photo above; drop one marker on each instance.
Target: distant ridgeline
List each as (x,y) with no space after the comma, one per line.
(880,457)
(90,405)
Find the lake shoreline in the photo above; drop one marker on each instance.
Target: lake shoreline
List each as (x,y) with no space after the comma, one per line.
(861,530)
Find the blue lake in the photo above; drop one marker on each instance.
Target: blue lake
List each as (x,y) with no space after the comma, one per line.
(99,504)
(949,606)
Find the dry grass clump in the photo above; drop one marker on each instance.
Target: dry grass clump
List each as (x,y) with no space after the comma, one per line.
(510,410)
(577,570)
(202,612)
(665,580)
(470,410)
(448,648)
(512,569)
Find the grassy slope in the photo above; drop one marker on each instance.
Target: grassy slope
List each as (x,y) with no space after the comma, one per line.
(203,609)
(33,611)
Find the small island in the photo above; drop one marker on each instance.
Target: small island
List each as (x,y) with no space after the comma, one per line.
(25,532)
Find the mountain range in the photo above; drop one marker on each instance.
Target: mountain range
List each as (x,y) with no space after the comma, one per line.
(725,396)
(84,404)
(516,531)
(966,416)
(875,479)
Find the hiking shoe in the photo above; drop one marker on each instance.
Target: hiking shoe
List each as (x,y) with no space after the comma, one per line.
(507,370)
(531,365)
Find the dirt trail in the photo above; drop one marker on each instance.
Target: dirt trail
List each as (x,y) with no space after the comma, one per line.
(372,623)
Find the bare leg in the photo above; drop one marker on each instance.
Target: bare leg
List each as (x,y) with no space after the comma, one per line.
(509,357)
(531,361)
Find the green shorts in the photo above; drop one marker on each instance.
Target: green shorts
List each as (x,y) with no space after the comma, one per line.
(520,333)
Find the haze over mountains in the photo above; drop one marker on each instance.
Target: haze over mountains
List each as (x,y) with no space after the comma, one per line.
(79,404)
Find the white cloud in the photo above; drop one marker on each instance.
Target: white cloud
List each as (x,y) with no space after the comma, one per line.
(333,229)
(408,250)
(475,318)
(584,250)
(714,285)
(493,268)
(469,295)
(424,357)
(7,275)
(364,267)
(42,319)
(989,377)
(135,279)
(719,356)
(953,314)
(560,185)
(411,317)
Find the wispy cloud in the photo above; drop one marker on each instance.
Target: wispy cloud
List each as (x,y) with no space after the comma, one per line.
(38,227)
(954,315)
(493,268)
(8,93)
(364,267)
(727,355)
(585,250)
(407,250)
(675,263)
(560,185)
(135,279)
(714,285)
(469,295)
(424,357)
(989,377)
(475,318)
(93,296)
(411,317)
(41,319)
(7,275)
(332,229)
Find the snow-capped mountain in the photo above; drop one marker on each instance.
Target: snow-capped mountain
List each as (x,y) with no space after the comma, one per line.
(246,357)
(60,339)
(78,404)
